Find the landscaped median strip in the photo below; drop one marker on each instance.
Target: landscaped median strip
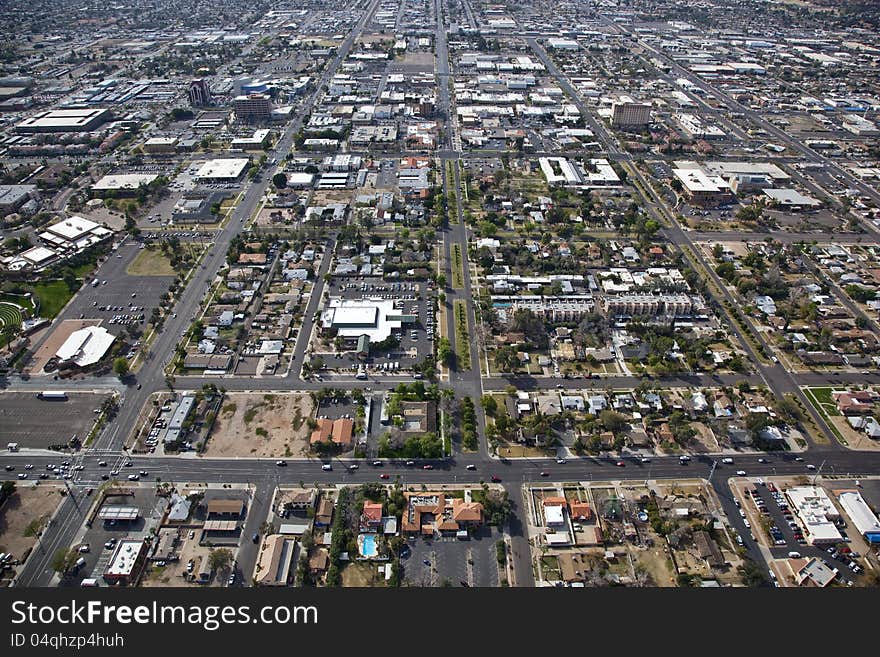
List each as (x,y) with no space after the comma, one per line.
(462,341)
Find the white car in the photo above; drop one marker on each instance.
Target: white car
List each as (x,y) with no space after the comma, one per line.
(741,473)
(560,461)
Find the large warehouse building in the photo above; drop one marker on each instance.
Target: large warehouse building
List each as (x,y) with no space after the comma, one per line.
(223,169)
(65,120)
(86,346)
(375,318)
(860,513)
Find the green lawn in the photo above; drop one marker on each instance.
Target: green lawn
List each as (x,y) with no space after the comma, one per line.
(150,262)
(53,296)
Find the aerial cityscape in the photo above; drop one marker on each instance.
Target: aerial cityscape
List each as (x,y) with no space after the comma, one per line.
(440,293)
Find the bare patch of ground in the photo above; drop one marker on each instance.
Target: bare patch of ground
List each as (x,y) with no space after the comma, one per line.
(262,425)
(24,516)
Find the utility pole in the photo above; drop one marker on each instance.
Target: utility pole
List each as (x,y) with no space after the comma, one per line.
(712,470)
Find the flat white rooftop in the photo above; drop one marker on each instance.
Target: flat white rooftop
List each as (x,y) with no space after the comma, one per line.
(73,228)
(124,181)
(85,346)
(223,169)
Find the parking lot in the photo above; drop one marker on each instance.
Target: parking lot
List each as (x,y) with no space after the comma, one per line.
(151,509)
(119,300)
(416,340)
(37,424)
(452,561)
(786,536)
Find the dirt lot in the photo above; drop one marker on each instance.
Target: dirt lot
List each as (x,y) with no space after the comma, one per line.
(55,340)
(24,515)
(855,439)
(361,574)
(259,425)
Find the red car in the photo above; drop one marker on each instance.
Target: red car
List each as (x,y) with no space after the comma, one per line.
(495,479)
(383,476)
(620,464)
(428,467)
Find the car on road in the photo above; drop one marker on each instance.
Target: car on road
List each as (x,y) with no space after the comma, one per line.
(620,464)
(810,466)
(22,475)
(29,466)
(231,580)
(133,477)
(280,463)
(353,466)
(560,461)
(143,473)
(427,466)
(377,462)
(110,544)
(727,460)
(741,473)
(384,475)
(10,468)
(114,473)
(327,467)
(102,464)
(495,479)
(798,458)
(544,473)
(762,460)
(470,466)
(255,538)
(644,459)
(410,462)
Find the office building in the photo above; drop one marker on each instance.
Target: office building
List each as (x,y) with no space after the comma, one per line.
(628,114)
(199,93)
(253,107)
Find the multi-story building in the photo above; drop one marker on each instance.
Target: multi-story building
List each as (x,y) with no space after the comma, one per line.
(627,113)
(253,107)
(561,308)
(199,93)
(670,305)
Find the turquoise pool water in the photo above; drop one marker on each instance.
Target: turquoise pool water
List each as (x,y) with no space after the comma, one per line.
(368,546)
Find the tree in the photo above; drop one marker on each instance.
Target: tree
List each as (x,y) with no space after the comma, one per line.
(612,421)
(506,358)
(63,560)
(6,490)
(489,404)
(120,367)
(220,558)
(280,180)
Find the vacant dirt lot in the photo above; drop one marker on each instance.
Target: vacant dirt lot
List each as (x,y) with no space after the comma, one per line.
(855,439)
(25,514)
(261,425)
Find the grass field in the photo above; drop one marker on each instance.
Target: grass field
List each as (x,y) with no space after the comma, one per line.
(462,341)
(53,296)
(821,399)
(457,267)
(150,262)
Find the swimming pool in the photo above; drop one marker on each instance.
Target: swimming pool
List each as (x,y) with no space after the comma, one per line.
(368,545)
